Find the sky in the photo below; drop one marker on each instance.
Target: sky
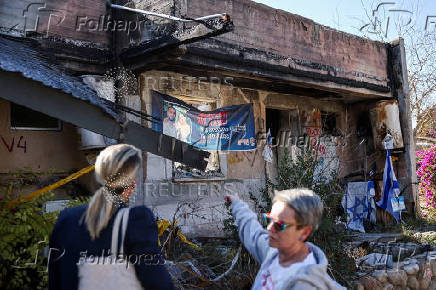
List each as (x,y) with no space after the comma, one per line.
(350,16)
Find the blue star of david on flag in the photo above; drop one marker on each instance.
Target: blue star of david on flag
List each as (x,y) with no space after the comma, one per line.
(354,210)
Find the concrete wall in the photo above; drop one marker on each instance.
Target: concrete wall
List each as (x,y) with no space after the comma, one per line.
(306,44)
(246,171)
(199,206)
(351,152)
(287,39)
(44,150)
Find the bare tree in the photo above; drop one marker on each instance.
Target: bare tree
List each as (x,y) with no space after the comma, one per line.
(422,78)
(387,20)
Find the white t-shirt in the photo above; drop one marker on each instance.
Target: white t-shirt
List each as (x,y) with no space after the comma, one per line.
(274,275)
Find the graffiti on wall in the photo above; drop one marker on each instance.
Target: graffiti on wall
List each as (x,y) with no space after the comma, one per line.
(244,156)
(235,159)
(329,150)
(325,146)
(10,144)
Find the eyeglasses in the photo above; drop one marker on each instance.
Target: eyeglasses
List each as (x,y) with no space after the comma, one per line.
(278,225)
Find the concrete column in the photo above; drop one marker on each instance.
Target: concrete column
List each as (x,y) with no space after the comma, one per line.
(400,89)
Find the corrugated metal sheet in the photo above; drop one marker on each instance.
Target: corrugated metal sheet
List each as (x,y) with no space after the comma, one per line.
(33,63)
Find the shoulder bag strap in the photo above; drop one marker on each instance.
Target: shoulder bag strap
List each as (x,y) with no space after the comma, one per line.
(124,228)
(115,232)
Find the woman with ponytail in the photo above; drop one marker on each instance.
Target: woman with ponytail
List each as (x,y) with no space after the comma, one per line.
(85,232)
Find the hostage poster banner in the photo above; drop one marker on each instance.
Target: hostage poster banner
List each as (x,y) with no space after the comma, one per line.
(225,129)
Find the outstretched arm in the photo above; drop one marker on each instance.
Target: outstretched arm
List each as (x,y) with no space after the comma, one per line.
(254,237)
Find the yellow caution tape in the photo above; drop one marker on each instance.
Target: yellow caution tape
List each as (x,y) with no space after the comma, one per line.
(163,225)
(185,240)
(53,186)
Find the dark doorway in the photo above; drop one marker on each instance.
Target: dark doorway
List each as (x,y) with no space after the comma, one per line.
(273,122)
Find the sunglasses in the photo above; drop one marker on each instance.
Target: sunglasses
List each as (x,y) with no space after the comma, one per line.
(278,225)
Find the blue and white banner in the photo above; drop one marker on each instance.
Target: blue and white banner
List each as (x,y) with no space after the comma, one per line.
(391,189)
(225,129)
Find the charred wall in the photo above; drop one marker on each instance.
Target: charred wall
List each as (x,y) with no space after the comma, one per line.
(79,20)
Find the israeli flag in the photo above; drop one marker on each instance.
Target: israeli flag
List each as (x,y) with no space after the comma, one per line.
(390,187)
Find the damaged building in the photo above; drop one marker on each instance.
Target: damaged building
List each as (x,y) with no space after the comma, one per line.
(308,84)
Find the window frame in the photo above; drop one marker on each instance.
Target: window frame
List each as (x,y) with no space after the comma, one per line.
(222,155)
(223,168)
(19,128)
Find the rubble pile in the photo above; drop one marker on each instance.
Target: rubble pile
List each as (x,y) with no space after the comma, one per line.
(398,266)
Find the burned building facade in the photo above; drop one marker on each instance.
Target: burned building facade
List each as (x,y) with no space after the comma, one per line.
(308,84)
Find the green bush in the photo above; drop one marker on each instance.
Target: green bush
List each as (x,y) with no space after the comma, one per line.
(24,233)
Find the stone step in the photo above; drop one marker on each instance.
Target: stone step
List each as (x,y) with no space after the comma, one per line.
(377,237)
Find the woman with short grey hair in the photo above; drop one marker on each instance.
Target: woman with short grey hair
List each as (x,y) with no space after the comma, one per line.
(287,260)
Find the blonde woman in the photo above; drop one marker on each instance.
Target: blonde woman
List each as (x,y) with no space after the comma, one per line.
(86,230)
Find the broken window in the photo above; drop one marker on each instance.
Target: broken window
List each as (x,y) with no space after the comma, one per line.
(216,161)
(23,118)
(328,121)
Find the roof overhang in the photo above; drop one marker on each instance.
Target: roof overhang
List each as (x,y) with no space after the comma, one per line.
(34,95)
(28,77)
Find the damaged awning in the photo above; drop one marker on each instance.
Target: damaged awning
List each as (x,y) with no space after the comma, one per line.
(141,55)
(31,78)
